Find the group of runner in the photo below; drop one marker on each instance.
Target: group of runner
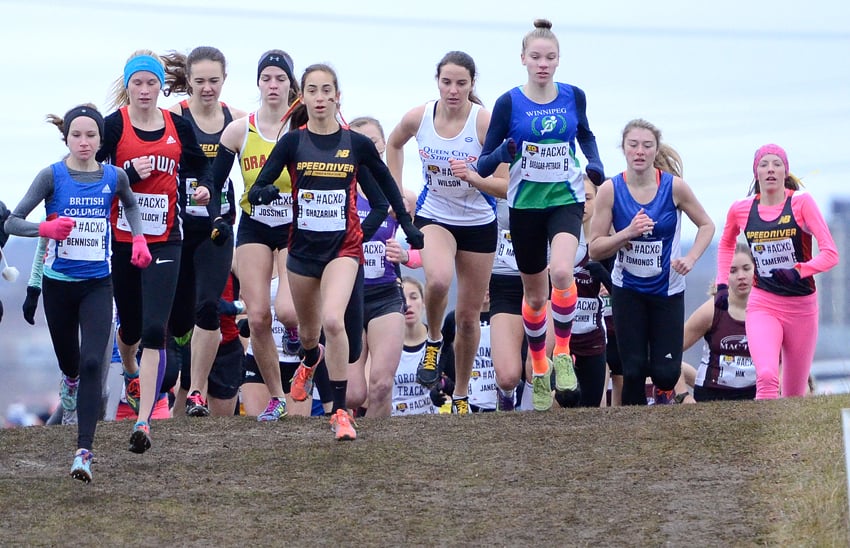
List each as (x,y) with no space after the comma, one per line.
(142,208)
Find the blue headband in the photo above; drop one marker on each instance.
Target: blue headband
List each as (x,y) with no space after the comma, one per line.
(144,62)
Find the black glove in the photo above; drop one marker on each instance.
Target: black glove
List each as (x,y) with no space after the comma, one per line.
(244,329)
(441,391)
(31,304)
(221,231)
(414,236)
(786,276)
(721,298)
(263,195)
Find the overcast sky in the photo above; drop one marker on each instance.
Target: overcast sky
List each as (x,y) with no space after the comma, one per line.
(719,78)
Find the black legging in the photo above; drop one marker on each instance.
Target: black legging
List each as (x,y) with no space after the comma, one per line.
(144,297)
(79,317)
(590,372)
(650,329)
(204,268)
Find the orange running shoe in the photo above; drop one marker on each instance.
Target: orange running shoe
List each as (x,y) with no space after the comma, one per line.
(343,426)
(302,381)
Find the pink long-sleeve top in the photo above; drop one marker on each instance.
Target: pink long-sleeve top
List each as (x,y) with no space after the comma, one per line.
(807,215)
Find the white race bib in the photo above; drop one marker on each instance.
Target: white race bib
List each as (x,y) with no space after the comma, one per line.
(442,183)
(192,207)
(547,162)
(584,320)
(374,254)
(277,213)
(642,259)
(505,250)
(322,210)
(154,212)
(775,254)
(736,371)
(87,241)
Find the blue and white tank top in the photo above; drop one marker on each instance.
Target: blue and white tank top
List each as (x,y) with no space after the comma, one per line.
(85,253)
(643,264)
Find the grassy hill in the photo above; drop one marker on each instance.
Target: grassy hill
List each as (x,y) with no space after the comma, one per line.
(722,474)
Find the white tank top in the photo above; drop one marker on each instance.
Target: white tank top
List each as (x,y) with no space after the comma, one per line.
(444,197)
(409,397)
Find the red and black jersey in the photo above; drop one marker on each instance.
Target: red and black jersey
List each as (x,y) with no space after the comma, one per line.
(157,194)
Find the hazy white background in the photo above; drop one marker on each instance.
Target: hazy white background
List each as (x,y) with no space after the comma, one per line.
(720,78)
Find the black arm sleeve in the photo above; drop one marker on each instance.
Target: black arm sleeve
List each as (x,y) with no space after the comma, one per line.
(379,207)
(221,167)
(366,151)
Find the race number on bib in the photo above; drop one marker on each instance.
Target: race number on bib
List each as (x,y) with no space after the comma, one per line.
(154,212)
(642,259)
(192,207)
(736,371)
(547,162)
(321,210)
(505,250)
(584,320)
(374,254)
(442,183)
(775,254)
(87,241)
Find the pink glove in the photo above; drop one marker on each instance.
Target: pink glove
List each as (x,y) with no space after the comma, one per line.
(141,257)
(56,229)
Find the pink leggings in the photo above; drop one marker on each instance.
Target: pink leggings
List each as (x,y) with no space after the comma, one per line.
(781,326)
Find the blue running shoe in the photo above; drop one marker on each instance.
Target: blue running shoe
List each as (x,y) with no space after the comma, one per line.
(81,469)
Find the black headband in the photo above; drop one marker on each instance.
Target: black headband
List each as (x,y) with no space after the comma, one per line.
(275,60)
(76,112)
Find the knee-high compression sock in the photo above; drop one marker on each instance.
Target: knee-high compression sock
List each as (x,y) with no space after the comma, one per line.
(563,312)
(534,324)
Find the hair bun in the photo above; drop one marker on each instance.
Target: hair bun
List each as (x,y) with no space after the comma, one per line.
(542,24)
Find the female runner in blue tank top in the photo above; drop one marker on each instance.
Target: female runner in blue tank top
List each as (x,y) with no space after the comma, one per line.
(77,287)
(205,261)
(535,128)
(325,240)
(455,210)
(643,205)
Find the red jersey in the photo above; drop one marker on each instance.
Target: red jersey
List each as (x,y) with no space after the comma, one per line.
(157,194)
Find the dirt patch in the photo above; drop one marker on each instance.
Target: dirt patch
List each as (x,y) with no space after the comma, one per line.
(711,474)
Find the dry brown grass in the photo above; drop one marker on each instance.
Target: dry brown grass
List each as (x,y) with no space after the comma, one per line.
(723,474)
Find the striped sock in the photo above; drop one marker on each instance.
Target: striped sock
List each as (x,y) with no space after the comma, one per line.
(563,311)
(534,323)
